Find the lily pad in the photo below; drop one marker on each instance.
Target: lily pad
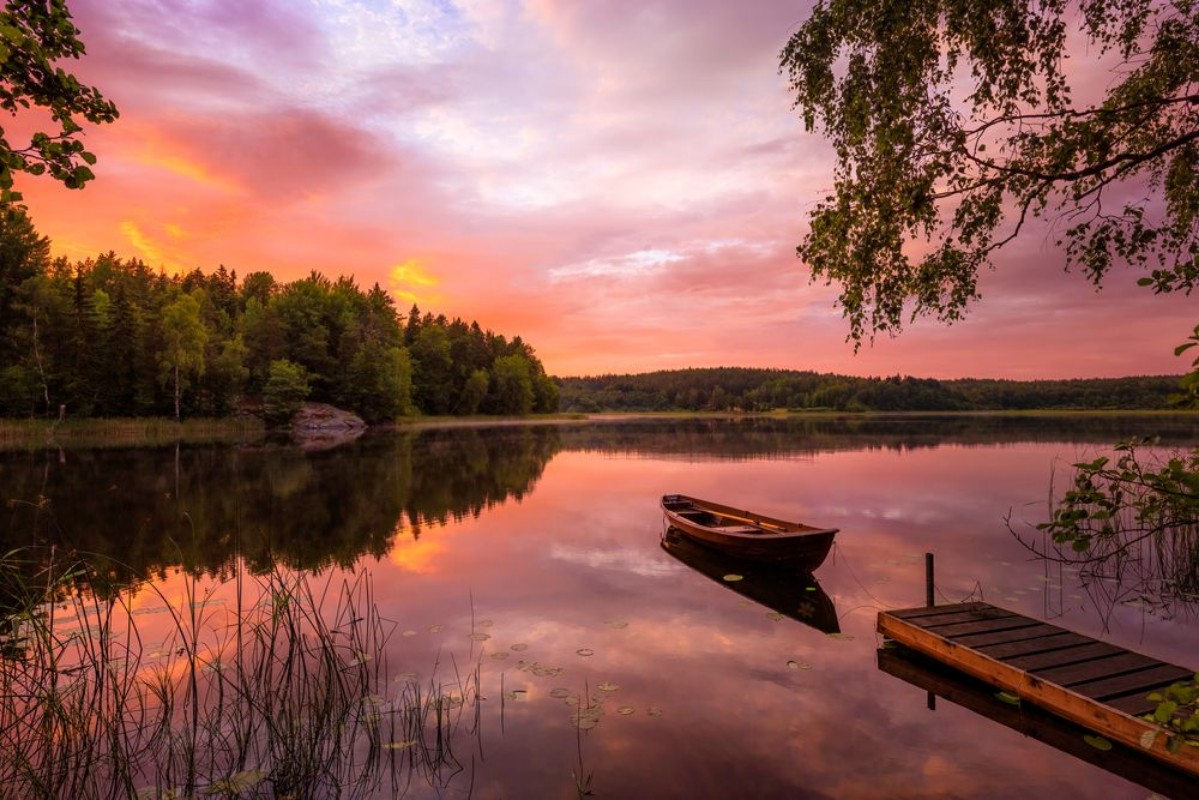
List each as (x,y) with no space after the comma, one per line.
(408,634)
(616,624)
(559,693)
(434,629)
(776,616)
(585,651)
(517,694)
(793,664)
(587,718)
(1098,742)
(404,745)
(607,686)
(480,637)
(1008,697)
(519,647)
(625,711)
(653,711)
(733,577)
(499,655)
(485,623)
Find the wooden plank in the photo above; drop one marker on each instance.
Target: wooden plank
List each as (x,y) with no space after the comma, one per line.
(1007,651)
(1144,681)
(985,626)
(1137,704)
(1097,669)
(962,616)
(1084,650)
(1015,635)
(1109,722)
(932,611)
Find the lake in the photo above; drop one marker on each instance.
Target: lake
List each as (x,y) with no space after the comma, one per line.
(523,568)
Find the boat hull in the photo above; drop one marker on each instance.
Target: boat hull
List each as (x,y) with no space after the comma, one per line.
(744,534)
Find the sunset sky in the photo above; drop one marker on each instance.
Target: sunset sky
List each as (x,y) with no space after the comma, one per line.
(621,182)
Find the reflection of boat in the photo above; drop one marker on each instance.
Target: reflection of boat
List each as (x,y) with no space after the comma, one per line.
(788,591)
(745,534)
(1129,763)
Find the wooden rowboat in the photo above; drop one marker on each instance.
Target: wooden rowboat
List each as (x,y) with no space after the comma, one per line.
(745,534)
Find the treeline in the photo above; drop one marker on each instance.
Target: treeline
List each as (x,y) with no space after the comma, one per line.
(736,389)
(113,338)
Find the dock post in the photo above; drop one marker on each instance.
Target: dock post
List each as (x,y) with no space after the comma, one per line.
(928,580)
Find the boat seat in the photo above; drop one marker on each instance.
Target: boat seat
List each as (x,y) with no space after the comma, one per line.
(740,529)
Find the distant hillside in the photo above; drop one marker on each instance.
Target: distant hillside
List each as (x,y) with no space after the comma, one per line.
(733,388)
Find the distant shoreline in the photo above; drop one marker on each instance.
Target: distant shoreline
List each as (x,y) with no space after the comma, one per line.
(29,434)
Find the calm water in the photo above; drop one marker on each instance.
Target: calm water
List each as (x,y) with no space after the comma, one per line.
(544,542)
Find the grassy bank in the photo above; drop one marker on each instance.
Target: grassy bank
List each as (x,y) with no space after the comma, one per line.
(29,434)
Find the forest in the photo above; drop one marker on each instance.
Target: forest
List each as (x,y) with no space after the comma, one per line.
(110,337)
(738,389)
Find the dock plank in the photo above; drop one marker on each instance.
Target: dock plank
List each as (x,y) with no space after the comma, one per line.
(984,626)
(1014,635)
(933,611)
(1104,667)
(969,615)
(1006,651)
(1103,697)
(1146,680)
(1049,657)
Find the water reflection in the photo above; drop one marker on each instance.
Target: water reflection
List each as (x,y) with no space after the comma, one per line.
(550,536)
(1029,720)
(141,511)
(793,594)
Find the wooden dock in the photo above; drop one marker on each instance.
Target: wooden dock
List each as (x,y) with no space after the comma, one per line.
(1097,685)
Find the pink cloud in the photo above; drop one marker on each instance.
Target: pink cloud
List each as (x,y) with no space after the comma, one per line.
(622,184)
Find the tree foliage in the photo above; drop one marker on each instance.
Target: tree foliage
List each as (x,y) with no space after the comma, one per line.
(727,389)
(111,337)
(287,387)
(33,36)
(954,123)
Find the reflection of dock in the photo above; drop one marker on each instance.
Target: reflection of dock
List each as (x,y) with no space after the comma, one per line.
(1127,762)
(1094,684)
(792,593)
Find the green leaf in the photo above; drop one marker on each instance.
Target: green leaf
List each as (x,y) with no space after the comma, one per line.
(1165,711)
(1098,742)
(1008,697)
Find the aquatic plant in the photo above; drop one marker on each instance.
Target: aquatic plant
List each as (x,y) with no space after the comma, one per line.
(1131,523)
(278,691)
(1178,713)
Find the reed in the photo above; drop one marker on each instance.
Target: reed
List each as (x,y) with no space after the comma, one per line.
(284,694)
(30,434)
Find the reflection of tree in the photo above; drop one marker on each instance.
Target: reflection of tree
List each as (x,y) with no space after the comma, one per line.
(147,510)
(1131,529)
(150,509)
(784,437)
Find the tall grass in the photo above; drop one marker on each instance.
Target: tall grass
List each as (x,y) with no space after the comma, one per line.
(26,434)
(281,692)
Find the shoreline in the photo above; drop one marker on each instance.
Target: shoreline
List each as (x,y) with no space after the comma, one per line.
(33,434)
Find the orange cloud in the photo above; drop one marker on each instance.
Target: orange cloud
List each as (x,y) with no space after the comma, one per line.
(158,150)
(151,250)
(409,280)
